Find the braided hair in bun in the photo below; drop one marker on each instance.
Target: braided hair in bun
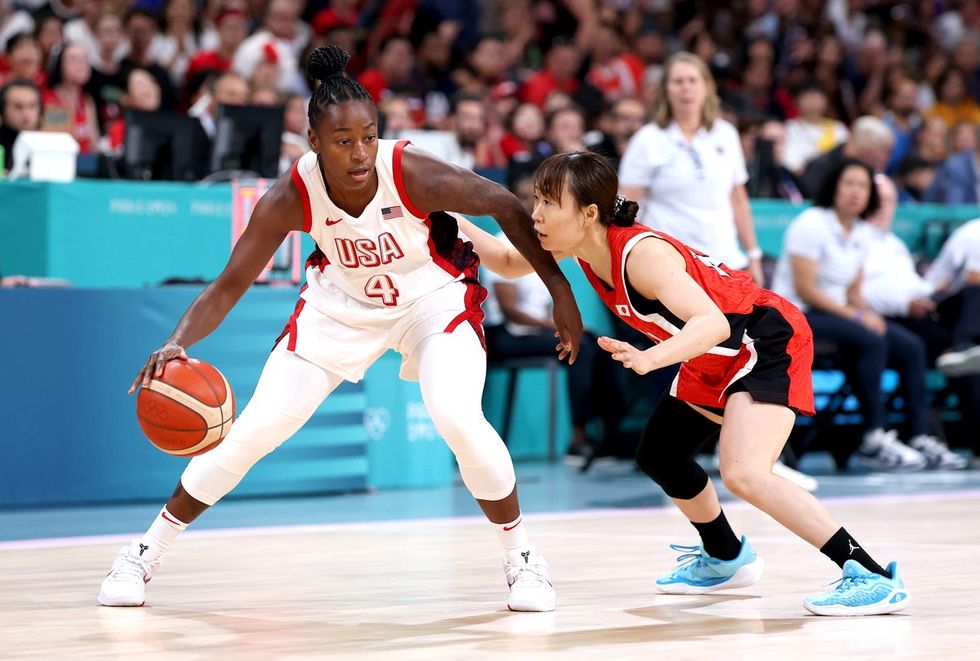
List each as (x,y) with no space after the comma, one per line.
(328,64)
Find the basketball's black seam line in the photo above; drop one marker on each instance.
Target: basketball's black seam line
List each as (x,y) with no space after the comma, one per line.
(213,391)
(203,419)
(147,420)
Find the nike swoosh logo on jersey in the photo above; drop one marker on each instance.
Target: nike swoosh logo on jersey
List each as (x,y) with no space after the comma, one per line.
(328,222)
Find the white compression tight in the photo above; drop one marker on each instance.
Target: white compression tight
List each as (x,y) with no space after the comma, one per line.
(289,391)
(452,370)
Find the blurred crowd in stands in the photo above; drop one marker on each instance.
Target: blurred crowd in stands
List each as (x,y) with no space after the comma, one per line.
(514,80)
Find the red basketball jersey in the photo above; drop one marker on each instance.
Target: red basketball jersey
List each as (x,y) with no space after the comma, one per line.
(704,379)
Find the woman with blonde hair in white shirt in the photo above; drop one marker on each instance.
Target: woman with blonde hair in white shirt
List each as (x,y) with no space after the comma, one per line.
(687,169)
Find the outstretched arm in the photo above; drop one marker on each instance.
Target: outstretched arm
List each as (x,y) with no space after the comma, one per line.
(658,271)
(277,213)
(498,256)
(433,185)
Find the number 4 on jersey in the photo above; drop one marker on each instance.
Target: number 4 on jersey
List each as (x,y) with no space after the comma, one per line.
(381,286)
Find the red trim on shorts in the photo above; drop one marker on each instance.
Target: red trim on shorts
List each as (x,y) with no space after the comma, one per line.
(473,312)
(304,195)
(291,328)
(396,170)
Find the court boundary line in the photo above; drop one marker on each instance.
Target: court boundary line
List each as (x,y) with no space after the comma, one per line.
(373,525)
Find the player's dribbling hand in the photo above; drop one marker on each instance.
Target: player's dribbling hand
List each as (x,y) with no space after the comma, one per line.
(156,362)
(631,357)
(568,321)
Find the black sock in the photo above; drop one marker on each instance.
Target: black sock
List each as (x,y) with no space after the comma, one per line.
(841,547)
(719,539)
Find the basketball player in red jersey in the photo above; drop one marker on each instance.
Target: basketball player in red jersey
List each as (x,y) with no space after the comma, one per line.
(745,356)
(388,273)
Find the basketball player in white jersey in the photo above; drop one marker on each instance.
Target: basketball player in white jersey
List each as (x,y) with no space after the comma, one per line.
(388,273)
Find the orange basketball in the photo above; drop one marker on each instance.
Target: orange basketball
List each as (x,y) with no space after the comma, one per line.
(188,410)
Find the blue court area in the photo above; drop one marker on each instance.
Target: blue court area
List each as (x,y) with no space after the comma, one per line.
(544,488)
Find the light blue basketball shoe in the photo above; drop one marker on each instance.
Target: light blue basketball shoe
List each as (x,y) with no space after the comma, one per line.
(699,573)
(862,592)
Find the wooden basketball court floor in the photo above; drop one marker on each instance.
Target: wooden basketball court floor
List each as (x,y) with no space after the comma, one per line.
(434,589)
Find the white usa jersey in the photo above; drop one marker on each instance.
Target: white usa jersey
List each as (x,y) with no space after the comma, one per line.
(386,257)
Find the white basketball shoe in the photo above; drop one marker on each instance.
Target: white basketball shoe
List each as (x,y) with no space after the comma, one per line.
(125,584)
(529,579)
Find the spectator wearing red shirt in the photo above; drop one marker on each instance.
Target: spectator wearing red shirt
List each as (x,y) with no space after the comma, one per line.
(615,72)
(338,13)
(525,135)
(232,25)
(67,107)
(558,75)
(393,70)
(23,60)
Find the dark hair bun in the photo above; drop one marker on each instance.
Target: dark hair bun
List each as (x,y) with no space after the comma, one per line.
(624,212)
(327,61)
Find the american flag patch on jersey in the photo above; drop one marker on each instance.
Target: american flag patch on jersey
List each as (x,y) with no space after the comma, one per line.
(389,213)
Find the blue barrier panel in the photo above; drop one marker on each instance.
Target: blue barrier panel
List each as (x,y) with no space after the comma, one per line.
(122,234)
(69,432)
(115,233)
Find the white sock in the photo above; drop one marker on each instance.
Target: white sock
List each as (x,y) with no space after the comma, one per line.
(513,536)
(160,535)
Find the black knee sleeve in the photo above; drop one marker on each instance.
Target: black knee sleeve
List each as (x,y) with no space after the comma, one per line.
(671,438)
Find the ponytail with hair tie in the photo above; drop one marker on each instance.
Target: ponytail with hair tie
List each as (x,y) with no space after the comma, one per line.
(624,211)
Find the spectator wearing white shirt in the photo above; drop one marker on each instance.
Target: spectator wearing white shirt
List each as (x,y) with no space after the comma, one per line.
(893,288)
(688,172)
(820,270)
(82,30)
(278,42)
(179,41)
(13,21)
(956,272)
(812,133)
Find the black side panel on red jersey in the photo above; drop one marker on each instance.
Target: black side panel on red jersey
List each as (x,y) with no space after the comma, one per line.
(646,307)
